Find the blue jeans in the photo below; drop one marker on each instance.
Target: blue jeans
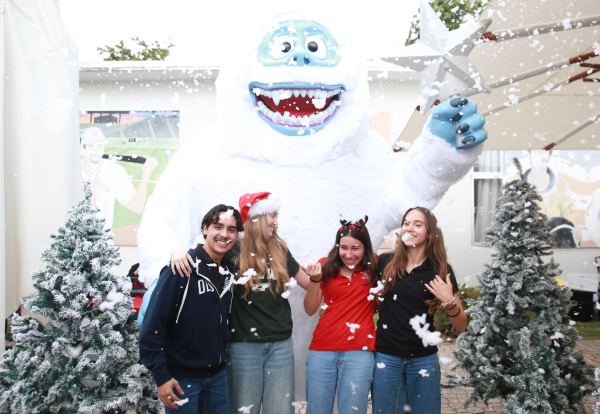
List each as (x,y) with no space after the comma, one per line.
(403,383)
(206,395)
(261,373)
(350,373)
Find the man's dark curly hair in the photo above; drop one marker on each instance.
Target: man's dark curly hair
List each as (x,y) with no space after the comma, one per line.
(212,217)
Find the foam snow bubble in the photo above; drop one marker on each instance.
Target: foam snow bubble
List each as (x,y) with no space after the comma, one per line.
(353,326)
(226,214)
(245,277)
(318,103)
(571,322)
(324,306)
(292,283)
(424,373)
(181,402)
(245,410)
(286,294)
(380,365)
(406,236)
(445,360)
(377,288)
(420,326)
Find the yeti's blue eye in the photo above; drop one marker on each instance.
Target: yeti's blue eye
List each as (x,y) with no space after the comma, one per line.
(281,46)
(315,45)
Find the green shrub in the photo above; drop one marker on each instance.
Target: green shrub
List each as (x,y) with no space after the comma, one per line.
(441,321)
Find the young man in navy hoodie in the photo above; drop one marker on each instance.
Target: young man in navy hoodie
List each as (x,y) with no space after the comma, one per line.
(185,334)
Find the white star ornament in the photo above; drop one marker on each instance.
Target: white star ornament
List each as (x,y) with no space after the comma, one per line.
(442,57)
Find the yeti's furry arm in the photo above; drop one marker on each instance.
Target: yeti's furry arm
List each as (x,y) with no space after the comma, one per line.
(430,167)
(172,215)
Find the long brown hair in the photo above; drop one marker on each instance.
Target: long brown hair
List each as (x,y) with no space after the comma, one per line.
(334,261)
(434,250)
(259,252)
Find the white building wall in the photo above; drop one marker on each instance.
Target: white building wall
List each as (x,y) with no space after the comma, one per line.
(192,91)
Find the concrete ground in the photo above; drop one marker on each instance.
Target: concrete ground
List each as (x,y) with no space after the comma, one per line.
(453,401)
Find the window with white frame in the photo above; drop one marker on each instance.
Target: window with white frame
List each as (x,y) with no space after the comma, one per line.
(487,180)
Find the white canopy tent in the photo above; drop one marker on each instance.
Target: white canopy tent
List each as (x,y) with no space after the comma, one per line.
(539,59)
(40,175)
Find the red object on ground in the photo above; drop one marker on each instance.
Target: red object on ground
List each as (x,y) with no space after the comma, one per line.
(137,303)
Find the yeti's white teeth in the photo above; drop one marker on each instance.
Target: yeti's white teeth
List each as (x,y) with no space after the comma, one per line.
(277,117)
(279,95)
(275,97)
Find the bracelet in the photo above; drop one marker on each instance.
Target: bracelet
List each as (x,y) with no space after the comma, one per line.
(451,301)
(314,281)
(457,313)
(455,305)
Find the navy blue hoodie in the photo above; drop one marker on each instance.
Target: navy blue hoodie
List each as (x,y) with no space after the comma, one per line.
(186,324)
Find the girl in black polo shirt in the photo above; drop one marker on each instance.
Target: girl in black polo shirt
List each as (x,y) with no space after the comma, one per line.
(407,375)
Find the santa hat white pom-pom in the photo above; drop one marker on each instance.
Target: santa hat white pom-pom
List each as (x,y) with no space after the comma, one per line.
(267,206)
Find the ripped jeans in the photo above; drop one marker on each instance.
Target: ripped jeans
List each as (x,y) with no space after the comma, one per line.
(349,373)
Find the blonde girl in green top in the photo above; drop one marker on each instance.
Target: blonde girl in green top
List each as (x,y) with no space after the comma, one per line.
(261,354)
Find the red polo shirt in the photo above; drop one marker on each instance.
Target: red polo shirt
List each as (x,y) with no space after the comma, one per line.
(347,307)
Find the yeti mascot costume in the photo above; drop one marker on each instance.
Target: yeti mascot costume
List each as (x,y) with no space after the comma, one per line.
(293,119)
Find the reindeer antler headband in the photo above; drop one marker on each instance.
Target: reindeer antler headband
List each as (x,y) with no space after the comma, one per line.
(356,225)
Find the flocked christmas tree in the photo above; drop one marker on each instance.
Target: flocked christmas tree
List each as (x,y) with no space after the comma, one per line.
(519,345)
(596,394)
(86,359)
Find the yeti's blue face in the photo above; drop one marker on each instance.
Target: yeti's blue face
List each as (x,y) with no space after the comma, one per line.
(297,108)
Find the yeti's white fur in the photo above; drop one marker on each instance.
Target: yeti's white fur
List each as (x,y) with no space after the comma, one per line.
(343,169)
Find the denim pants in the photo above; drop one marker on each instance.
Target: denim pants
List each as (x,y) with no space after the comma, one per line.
(350,373)
(407,385)
(261,373)
(206,395)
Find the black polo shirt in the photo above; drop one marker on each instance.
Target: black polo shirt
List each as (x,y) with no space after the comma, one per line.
(404,301)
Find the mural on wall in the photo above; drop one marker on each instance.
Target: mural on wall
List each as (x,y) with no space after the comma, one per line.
(569,182)
(124,154)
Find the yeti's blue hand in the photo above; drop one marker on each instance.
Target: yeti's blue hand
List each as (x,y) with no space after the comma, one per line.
(458,118)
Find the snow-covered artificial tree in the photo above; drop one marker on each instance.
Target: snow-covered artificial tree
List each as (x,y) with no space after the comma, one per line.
(519,345)
(85,360)
(596,394)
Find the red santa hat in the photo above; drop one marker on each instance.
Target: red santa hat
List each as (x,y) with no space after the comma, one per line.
(256,204)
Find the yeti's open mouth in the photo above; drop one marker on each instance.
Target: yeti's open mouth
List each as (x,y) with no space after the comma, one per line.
(292,107)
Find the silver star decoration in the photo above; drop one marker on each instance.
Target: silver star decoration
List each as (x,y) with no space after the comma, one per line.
(442,57)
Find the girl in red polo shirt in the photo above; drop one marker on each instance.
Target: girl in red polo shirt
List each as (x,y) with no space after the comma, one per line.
(341,354)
